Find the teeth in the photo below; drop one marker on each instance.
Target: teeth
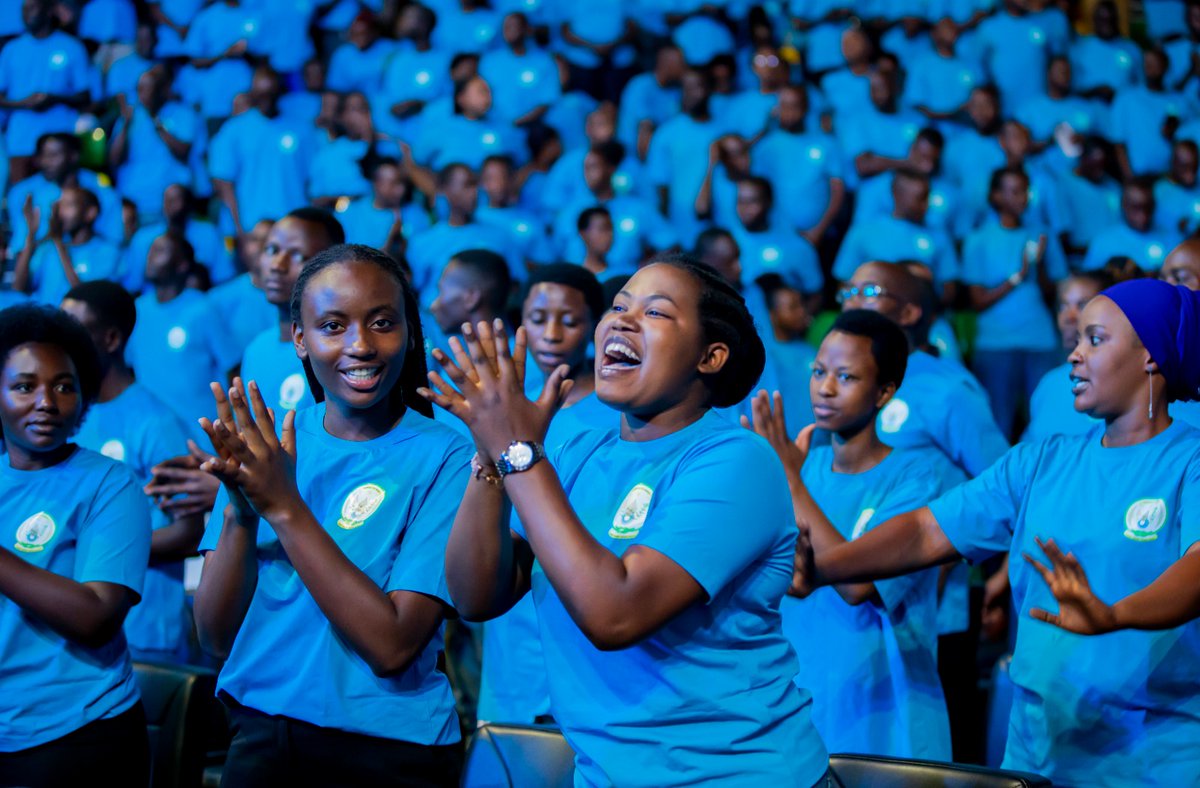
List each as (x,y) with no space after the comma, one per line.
(619,349)
(362,374)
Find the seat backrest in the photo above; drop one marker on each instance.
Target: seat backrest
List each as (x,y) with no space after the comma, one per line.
(1000,701)
(180,710)
(868,771)
(523,756)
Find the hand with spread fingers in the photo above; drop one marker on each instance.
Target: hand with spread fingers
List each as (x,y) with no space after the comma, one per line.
(488,391)
(1079,610)
(770,422)
(256,467)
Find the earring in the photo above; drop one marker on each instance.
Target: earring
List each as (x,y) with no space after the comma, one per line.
(1150,406)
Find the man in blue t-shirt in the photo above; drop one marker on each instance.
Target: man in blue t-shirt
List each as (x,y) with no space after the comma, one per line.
(178,212)
(523,78)
(71,253)
(1136,237)
(57,161)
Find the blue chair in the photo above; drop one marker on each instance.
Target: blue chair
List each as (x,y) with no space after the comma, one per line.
(1000,702)
(869,771)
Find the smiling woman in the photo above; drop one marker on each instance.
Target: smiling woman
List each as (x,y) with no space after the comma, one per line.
(662,547)
(323,584)
(76,543)
(1124,497)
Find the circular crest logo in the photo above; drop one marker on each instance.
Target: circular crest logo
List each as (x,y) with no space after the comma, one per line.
(860,527)
(177,338)
(113,450)
(631,514)
(360,504)
(893,416)
(1145,518)
(35,533)
(291,391)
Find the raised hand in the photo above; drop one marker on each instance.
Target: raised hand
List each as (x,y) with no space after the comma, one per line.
(250,460)
(1079,610)
(180,488)
(488,391)
(804,566)
(770,423)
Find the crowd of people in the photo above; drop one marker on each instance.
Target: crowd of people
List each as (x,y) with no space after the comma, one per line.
(723,383)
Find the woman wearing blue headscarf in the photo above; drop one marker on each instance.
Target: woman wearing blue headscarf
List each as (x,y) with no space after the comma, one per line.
(1125,498)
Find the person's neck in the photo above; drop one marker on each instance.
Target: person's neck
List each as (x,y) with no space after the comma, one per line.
(1154,87)
(42,33)
(700,116)
(595,262)
(584,378)
(458,218)
(605,192)
(860,69)
(897,214)
(944,52)
(352,424)
(781,334)
(757,226)
(422,44)
(1057,93)
(178,222)
(518,48)
(285,322)
(168,291)
(1130,429)
(1010,221)
(637,429)
(81,236)
(858,450)
(21,460)
(116,380)
(1089,175)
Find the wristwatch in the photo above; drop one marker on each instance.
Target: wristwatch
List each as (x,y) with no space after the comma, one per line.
(519,456)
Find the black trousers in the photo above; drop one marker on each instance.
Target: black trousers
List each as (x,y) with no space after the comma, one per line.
(114,751)
(272,751)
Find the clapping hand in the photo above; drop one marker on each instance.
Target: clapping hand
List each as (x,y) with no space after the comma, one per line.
(488,391)
(1079,610)
(771,423)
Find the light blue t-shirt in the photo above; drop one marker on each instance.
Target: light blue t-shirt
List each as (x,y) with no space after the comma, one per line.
(713,685)
(176,350)
(242,311)
(45,193)
(207,244)
(96,258)
(801,168)
(140,431)
(431,249)
(882,133)
(1052,408)
(1136,120)
(872,669)
(520,83)
(85,519)
(874,198)
(1015,51)
(150,167)
(644,99)
(513,685)
(943,84)
(1088,208)
(455,139)
(1176,207)
(57,65)
(1093,711)
(890,239)
(1147,249)
(351,68)
(1096,63)
(637,227)
(779,251)
(366,224)
(274,366)
(1020,320)
(388,504)
(677,153)
(267,160)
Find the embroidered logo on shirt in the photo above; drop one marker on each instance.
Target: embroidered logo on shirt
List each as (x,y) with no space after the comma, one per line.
(893,416)
(359,505)
(631,514)
(291,391)
(176,338)
(113,450)
(860,527)
(34,533)
(1145,518)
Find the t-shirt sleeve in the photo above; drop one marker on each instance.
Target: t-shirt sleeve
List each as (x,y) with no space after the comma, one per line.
(216,521)
(114,542)
(980,516)
(974,267)
(1189,507)
(847,257)
(725,508)
(969,436)
(658,163)
(916,491)
(421,563)
(222,154)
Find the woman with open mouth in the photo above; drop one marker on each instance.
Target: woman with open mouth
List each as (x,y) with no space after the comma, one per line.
(323,586)
(661,547)
(1124,498)
(76,544)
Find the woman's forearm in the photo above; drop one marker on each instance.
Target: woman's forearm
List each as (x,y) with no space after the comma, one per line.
(904,544)
(1172,600)
(227,585)
(481,569)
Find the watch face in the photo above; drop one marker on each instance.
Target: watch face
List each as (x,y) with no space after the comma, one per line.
(520,455)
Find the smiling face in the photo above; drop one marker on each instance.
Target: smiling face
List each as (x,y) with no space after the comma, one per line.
(559,324)
(651,347)
(41,401)
(844,384)
(1108,366)
(353,333)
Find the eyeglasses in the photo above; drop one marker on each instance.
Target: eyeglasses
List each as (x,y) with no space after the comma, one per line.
(869,292)
(766,61)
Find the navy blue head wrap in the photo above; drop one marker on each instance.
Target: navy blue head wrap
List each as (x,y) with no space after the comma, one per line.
(1167,320)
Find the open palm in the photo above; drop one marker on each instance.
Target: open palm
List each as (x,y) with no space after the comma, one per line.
(1079,610)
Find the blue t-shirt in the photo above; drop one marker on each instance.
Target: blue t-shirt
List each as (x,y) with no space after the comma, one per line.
(176,350)
(940,405)
(1136,120)
(890,239)
(352,68)
(1020,320)
(513,686)
(943,84)
(1147,249)
(644,99)
(676,160)
(242,310)
(872,669)
(1093,711)
(85,519)
(1096,63)
(267,160)
(788,370)
(874,198)
(781,252)
(1052,408)
(107,21)
(94,259)
(801,168)
(520,83)
(150,167)
(388,504)
(210,34)
(871,131)
(455,139)
(637,226)
(1042,115)
(140,431)
(1088,208)
(123,76)
(430,250)
(279,373)
(714,683)
(1015,52)
(58,65)
(207,243)
(363,223)
(1177,207)
(45,193)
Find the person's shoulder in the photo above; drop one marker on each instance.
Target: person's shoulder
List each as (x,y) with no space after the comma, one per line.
(434,433)
(109,473)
